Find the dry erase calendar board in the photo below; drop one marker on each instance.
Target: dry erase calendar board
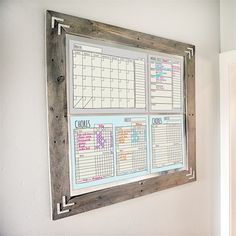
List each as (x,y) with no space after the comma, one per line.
(121,113)
(126,113)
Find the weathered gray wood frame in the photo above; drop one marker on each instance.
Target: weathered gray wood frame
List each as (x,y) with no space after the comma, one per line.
(57,26)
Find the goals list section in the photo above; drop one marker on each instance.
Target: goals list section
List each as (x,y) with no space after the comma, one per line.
(165,84)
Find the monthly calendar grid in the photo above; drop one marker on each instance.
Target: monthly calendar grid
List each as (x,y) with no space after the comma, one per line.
(106,81)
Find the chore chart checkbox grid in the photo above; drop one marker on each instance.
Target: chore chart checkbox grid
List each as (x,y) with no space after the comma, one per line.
(167,139)
(94,153)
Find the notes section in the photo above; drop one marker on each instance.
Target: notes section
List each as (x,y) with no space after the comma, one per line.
(105,149)
(106,81)
(140,86)
(166,83)
(168,145)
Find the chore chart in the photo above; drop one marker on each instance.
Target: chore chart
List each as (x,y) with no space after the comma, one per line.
(108,149)
(126,114)
(167,142)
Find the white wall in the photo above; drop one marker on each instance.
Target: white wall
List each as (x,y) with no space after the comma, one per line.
(233,148)
(189,210)
(228,138)
(228,150)
(227,25)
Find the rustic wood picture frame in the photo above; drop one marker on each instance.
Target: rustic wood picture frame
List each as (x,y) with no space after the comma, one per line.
(57,26)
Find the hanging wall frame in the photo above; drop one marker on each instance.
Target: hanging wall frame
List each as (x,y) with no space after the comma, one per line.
(121,113)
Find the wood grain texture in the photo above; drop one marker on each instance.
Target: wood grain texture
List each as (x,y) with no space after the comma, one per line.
(58,109)
(57,115)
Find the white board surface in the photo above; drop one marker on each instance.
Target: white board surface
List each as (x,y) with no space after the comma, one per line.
(126,114)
